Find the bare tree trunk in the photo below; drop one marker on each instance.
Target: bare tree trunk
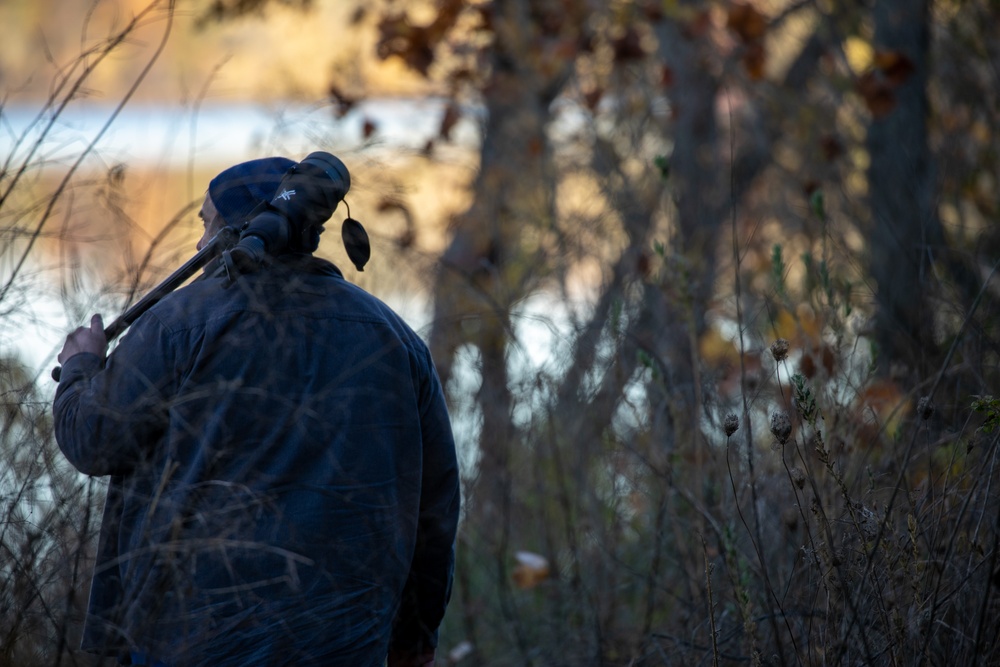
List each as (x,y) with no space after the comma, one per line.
(905,226)
(675,317)
(484,271)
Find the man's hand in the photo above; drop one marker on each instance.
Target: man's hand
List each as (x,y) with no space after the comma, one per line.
(86,339)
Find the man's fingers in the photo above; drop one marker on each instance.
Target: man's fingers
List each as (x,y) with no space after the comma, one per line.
(83,339)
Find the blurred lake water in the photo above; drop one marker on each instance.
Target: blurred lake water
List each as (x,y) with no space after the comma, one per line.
(220,132)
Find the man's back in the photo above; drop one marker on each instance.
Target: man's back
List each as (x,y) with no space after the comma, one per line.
(278,447)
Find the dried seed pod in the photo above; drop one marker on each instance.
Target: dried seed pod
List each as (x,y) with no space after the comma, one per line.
(925,408)
(779,349)
(731,424)
(798,477)
(781,426)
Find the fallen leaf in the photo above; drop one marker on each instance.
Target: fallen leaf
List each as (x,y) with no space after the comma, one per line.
(532,569)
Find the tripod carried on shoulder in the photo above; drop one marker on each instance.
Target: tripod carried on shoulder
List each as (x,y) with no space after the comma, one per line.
(212,252)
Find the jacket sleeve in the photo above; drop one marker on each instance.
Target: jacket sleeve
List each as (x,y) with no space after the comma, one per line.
(428,587)
(106,416)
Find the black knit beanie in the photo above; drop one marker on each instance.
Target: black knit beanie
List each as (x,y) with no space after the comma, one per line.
(238,190)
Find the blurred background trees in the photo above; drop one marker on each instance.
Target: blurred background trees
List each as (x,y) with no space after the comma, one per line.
(716,312)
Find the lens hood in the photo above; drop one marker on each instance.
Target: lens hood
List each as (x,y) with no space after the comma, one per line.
(335,170)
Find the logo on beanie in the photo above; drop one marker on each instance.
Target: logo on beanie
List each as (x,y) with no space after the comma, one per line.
(285,194)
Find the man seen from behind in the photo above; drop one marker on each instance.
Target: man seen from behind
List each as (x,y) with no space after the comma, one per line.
(283,481)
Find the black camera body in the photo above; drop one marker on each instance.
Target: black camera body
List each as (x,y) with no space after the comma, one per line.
(292,221)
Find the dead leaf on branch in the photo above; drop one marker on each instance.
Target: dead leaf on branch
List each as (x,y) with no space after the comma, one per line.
(368,128)
(831,147)
(342,101)
(406,238)
(397,38)
(746,21)
(754,60)
(750,25)
(628,46)
(415,44)
(652,10)
(896,66)
(666,76)
(877,93)
(451,116)
(890,70)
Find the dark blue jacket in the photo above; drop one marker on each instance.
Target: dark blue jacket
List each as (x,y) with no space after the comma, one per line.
(284,487)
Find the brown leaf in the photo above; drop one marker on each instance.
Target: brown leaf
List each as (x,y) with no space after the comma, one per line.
(652,10)
(393,35)
(644,265)
(406,238)
(628,46)
(888,403)
(666,76)
(398,37)
(368,128)
(566,48)
(448,12)
(462,75)
(812,360)
(698,25)
(548,20)
(451,116)
(746,21)
(896,66)
(877,94)
(586,42)
(486,16)
(755,60)
(831,147)
(342,101)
